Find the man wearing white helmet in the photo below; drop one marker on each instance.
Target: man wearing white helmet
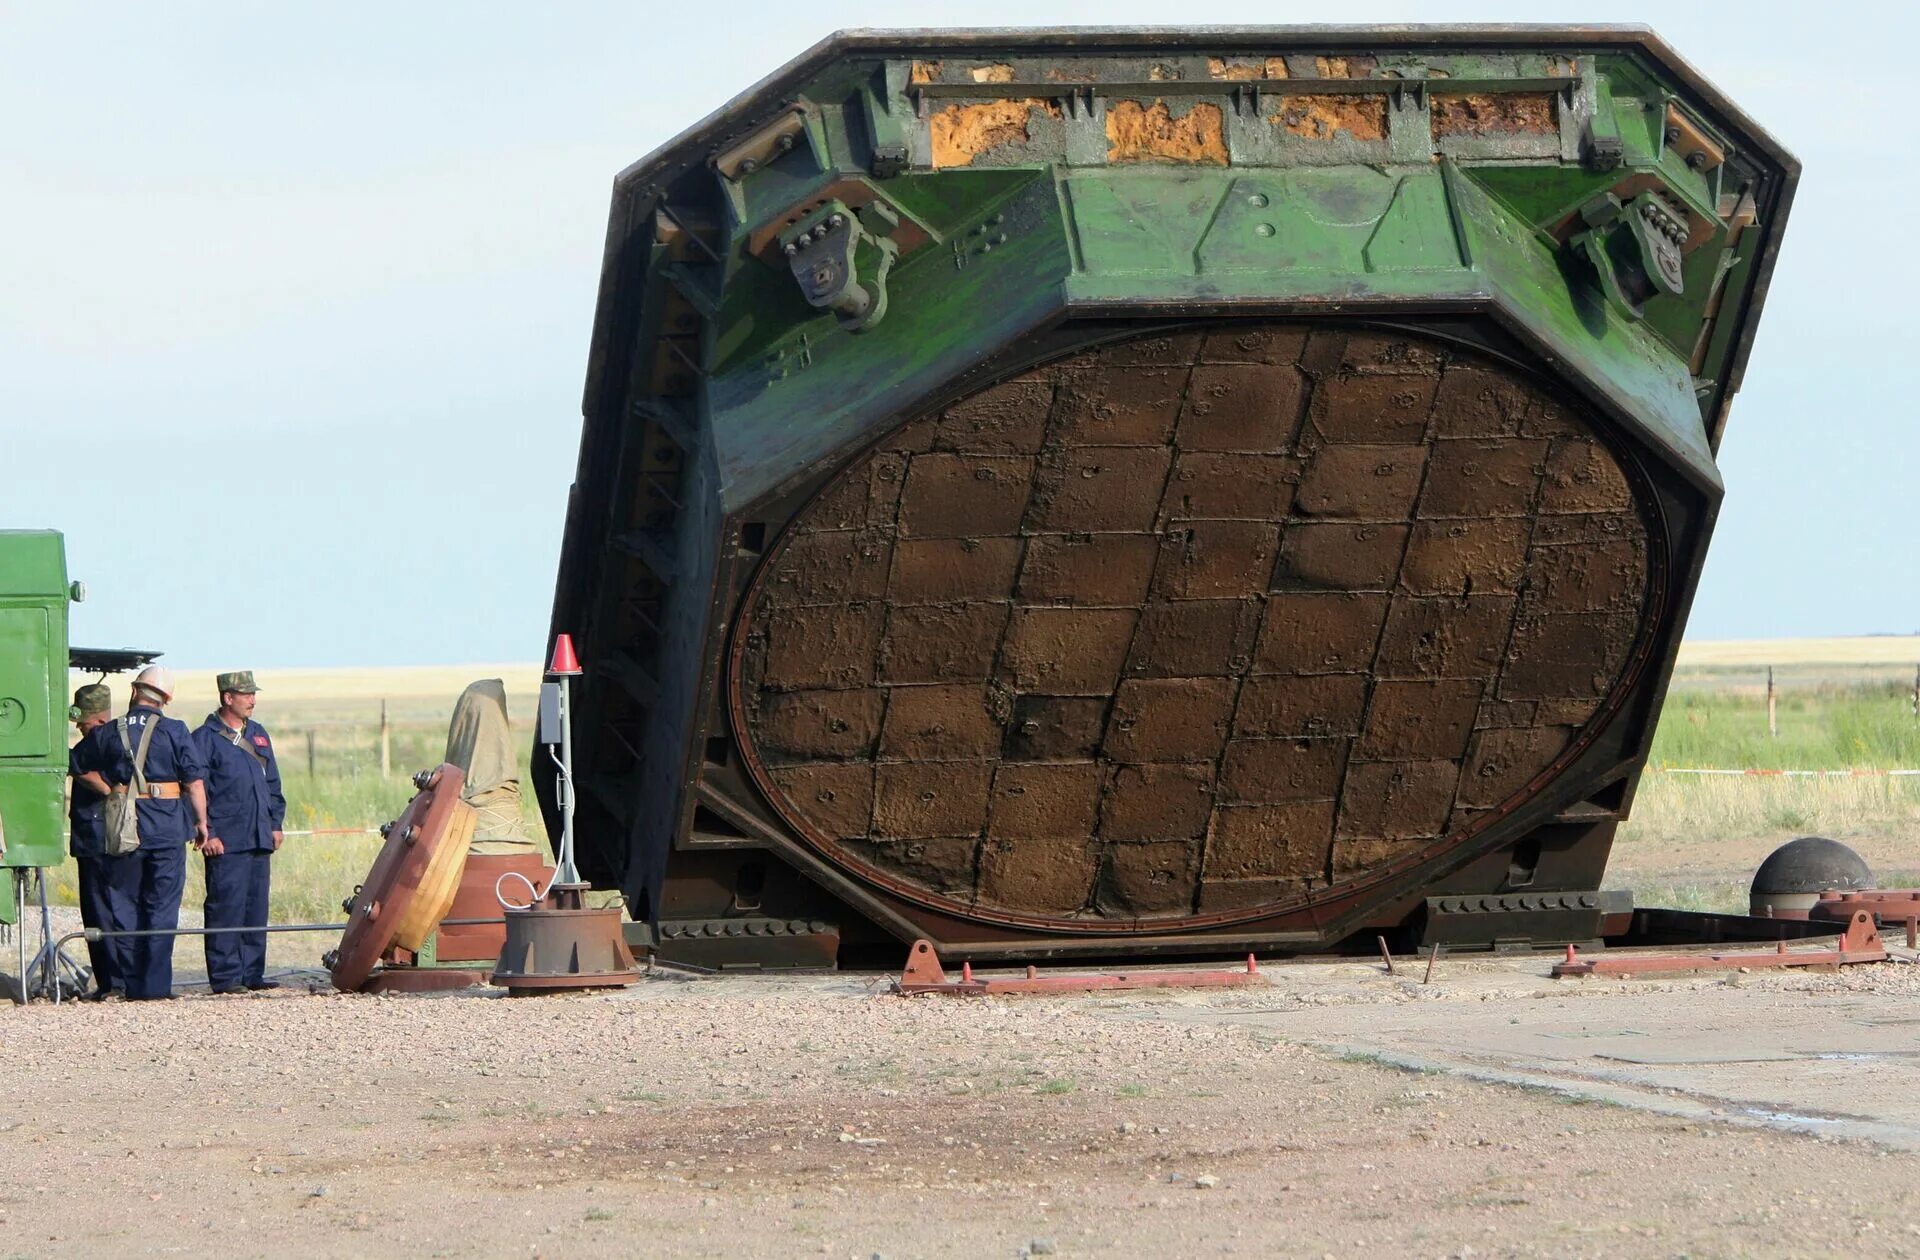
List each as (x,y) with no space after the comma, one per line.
(144,886)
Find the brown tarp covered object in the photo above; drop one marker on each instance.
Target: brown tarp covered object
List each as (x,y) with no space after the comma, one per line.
(480,741)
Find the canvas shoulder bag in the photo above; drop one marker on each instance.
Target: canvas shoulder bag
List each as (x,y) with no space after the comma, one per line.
(122,806)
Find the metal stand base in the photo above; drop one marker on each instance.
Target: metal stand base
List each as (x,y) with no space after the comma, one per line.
(561,944)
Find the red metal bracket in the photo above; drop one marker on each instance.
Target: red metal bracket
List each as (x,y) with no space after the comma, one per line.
(924,974)
(1860,943)
(1887,905)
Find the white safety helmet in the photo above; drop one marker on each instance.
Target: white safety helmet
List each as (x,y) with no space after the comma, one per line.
(156,678)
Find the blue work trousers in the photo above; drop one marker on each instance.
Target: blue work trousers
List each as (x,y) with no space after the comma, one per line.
(237,885)
(96,912)
(143,893)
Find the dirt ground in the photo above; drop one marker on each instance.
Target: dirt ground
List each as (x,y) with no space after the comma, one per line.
(1338,1112)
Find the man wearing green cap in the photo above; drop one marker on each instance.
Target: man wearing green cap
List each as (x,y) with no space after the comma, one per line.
(87,839)
(245,810)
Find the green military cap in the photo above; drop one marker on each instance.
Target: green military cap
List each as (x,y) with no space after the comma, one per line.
(240,680)
(91,700)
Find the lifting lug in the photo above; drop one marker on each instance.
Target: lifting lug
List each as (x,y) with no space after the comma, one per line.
(840,261)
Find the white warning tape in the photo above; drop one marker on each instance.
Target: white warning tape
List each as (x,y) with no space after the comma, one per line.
(1798,774)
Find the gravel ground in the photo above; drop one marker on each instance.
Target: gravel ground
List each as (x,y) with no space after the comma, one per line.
(821,1116)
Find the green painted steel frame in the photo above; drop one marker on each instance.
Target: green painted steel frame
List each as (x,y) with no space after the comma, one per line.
(770,398)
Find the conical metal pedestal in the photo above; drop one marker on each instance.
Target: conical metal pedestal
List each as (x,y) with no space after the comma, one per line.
(561,944)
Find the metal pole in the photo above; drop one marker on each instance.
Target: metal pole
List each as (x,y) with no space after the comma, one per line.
(386,744)
(565,871)
(20,924)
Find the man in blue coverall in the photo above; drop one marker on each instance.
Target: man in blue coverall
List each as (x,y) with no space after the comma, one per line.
(245,810)
(144,886)
(87,840)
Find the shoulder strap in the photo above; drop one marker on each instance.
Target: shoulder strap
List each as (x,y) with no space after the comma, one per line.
(239,740)
(140,757)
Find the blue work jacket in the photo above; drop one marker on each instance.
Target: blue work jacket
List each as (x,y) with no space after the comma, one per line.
(171,758)
(86,813)
(244,802)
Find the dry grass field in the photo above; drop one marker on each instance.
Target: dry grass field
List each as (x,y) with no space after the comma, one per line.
(1691,841)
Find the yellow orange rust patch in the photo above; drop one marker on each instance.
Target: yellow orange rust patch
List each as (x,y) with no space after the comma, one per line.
(1322,117)
(960,133)
(1221,68)
(1488,114)
(1240,71)
(998,73)
(1140,134)
(1334,67)
(925,72)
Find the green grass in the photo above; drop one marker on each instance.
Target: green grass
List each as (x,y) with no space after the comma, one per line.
(1714,718)
(1825,727)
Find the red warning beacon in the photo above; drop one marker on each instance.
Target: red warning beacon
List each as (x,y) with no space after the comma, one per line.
(565,664)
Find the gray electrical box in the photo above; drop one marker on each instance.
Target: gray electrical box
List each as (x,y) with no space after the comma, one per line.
(550,713)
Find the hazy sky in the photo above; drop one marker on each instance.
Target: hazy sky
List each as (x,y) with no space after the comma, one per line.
(295,303)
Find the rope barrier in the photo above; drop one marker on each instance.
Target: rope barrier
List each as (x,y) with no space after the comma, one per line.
(1792,773)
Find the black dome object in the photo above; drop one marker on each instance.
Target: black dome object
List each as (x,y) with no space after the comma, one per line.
(1811,864)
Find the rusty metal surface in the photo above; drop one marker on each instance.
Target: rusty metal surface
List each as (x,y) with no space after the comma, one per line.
(924,974)
(1859,943)
(380,905)
(422,980)
(474,899)
(561,944)
(1195,625)
(1888,906)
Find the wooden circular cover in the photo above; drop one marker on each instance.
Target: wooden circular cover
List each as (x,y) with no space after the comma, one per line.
(1192,626)
(405,870)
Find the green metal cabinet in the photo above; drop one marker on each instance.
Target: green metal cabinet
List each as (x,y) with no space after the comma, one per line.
(34,594)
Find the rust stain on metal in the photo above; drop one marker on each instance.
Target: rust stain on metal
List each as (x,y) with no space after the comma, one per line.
(1495,114)
(1137,133)
(1323,117)
(1170,719)
(1859,943)
(1188,638)
(1047,875)
(945,722)
(1057,799)
(999,72)
(961,133)
(923,975)
(1191,621)
(1152,878)
(1094,569)
(1293,839)
(925,72)
(1240,69)
(1283,770)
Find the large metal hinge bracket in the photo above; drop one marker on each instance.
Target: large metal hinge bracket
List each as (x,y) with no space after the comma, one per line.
(1635,249)
(841,259)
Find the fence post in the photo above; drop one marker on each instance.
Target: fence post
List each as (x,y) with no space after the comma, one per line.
(1773,718)
(386,744)
(309,754)
(1916,693)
